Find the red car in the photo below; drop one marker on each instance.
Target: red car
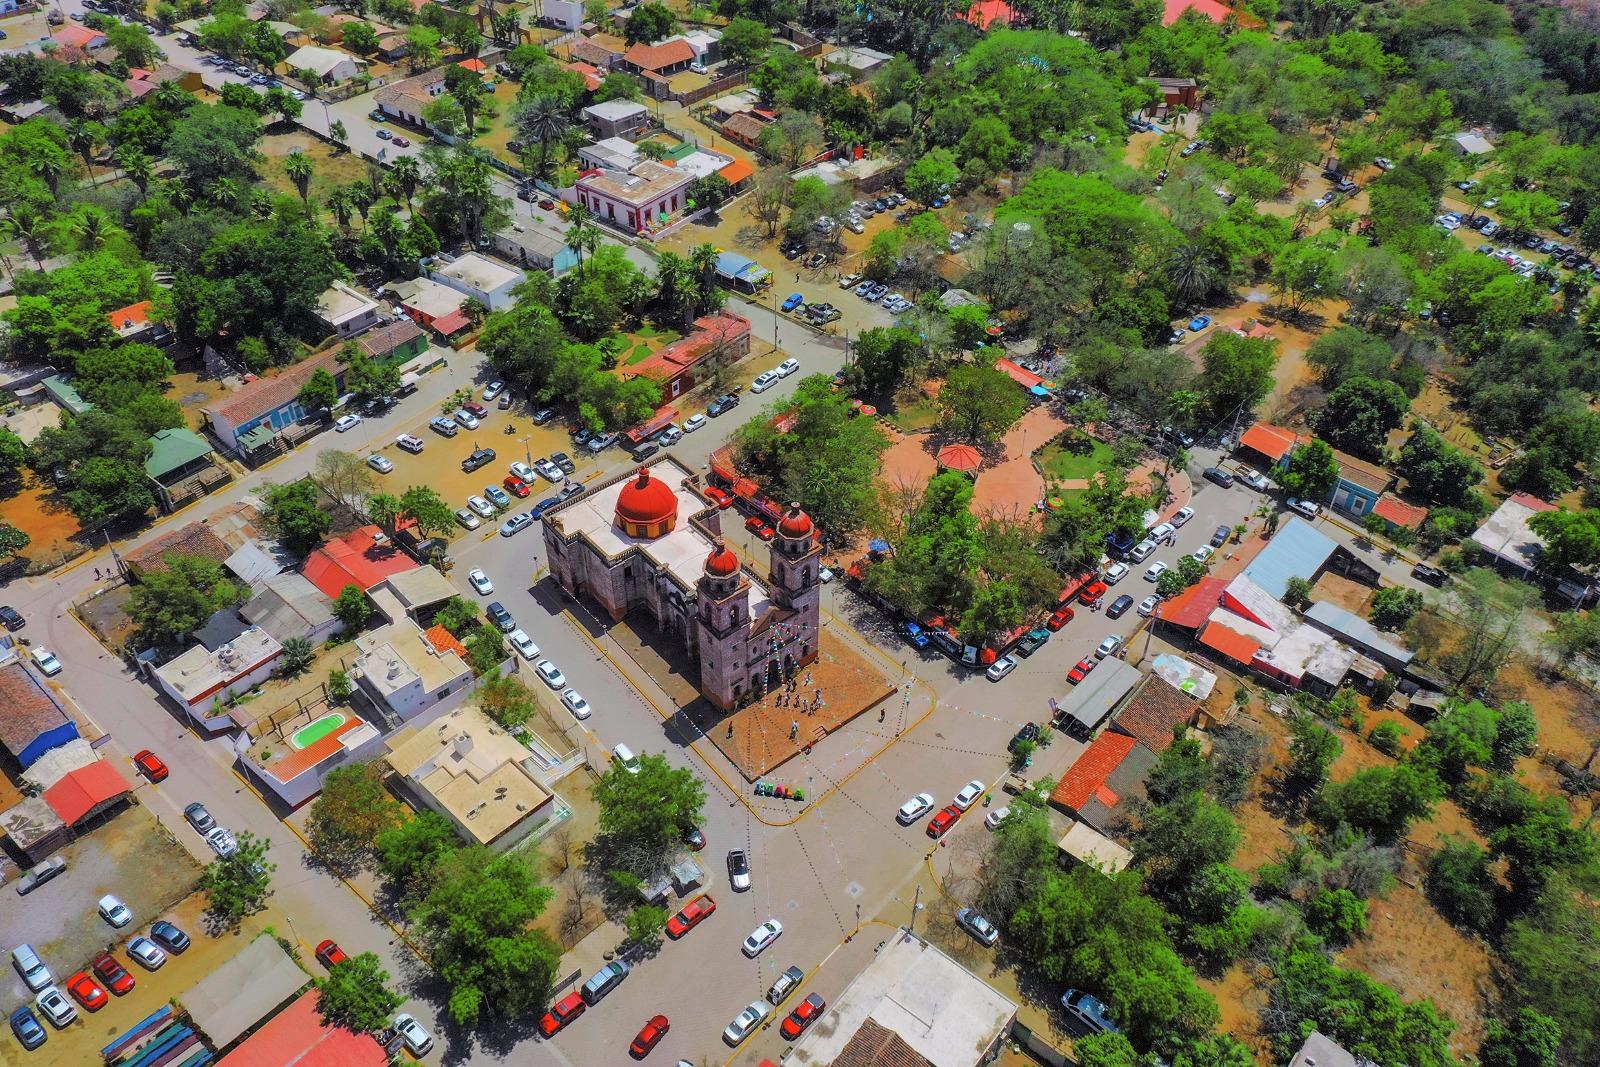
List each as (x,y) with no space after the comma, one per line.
(805,1013)
(691,916)
(940,824)
(516,486)
(758,526)
(87,991)
(720,497)
(1092,592)
(329,953)
(561,1014)
(547,204)
(649,1037)
(150,765)
(1059,618)
(1081,671)
(113,974)
(402,141)
(477,409)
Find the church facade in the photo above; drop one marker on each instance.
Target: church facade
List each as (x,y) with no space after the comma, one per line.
(649,540)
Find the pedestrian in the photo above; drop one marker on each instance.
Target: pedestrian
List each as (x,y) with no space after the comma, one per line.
(881,713)
(97,572)
(794,729)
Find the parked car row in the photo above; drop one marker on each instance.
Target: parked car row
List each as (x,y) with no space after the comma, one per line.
(88,987)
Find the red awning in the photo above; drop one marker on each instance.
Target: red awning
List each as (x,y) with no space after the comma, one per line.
(454,322)
(736,172)
(1236,646)
(1274,442)
(81,791)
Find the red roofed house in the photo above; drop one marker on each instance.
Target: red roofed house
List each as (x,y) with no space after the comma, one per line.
(986,14)
(591,75)
(1399,514)
(1111,769)
(1025,378)
(736,174)
(78,39)
(475,65)
(665,58)
(297,1037)
(1211,9)
(1272,443)
(1155,713)
(251,418)
(86,792)
(718,339)
(361,558)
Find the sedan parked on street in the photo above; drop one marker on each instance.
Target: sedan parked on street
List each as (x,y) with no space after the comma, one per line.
(914,809)
(762,937)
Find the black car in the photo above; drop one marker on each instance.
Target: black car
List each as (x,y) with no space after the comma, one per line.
(538,510)
(1119,607)
(12,618)
(1219,536)
(500,616)
(1432,575)
(480,457)
(724,403)
(1219,476)
(564,461)
(169,937)
(646,450)
(1029,732)
(792,249)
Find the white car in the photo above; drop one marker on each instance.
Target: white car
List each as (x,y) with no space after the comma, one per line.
(764,381)
(115,911)
(1182,516)
(575,703)
(1203,553)
(1000,668)
(418,1040)
(410,443)
(1108,646)
(969,795)
(149,954)
(481,506)
(744,1024)
(1305,507)
(222,841)
(480,582)
(1147,606)
(551,674)
(761,937)
(788,367)
(523,644)
(996,817)
(467,519)
(466,418)
(1254,479)
(1155,571)
(1160,531)
(914,809)
(381,464)
(493,389)
(524,472)
(693,423)
(346,422)
(46,661)
(55,1007)
(1115,573)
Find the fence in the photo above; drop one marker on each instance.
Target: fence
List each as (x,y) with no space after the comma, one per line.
(716,88)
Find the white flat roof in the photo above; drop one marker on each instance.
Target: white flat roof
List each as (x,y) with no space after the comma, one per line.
(947,1014)
(480,272)
(340,303)
(198,672)
(615,110)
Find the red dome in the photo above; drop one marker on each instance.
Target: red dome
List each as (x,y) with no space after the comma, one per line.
(645,501)
(722,563)
(795,523)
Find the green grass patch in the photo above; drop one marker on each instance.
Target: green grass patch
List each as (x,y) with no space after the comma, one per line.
(640,353)
(1079,458)
(918,416)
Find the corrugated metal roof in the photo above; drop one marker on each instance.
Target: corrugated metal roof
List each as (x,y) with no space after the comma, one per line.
(1341,623)
(1297,550)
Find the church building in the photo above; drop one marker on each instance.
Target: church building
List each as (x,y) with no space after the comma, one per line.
(648,539)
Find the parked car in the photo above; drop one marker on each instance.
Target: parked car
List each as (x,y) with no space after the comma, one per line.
(1059,618)
(11,618)
(551,674)
(53,1005)
(744,1024)
(654,1030)
(497,496)
(32,969)
(1219,476)
(1198,323)
(739,868)
(1108,647)
(1081,669)
(1432,575)
(973,922)
(222,841)
(480,457)
(1254,479)
(561,1014)
(604,981)
(940,824)
(114,911)
(198,817)
(805,1013)
(1000,668)
(764,381)
(969,794)
(29,1033)
(516,524)
(480,506)
(443,427)
(724,403)
(913,809)
(346,423)
(1147,606)
(329,953)
(762,937)
(516,487)
(480,582)
(169,937)
(693,914)
(1088,1012)
(996,817)
(792,301)
(1220,535)
(1119,607)
(788,367)
(523,644)
(500,617)
(575,703)
(693,423)
(414,1034)
(147,953)
(1154,572)
(787,982)
(467,519)
(1032,641)
(410,443)
(150,765)
(46,661)
(1308,508)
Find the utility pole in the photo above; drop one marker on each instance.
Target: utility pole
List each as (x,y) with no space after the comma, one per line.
(916,906)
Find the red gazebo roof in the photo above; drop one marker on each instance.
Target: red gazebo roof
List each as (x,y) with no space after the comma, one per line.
(960,458)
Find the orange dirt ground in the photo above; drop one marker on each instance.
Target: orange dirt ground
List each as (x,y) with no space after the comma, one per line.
(42,516)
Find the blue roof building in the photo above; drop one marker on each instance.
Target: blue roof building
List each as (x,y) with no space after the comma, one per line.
(741,272)
(1297,550)
(31,722)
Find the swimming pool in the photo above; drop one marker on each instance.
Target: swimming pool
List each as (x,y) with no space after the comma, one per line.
(316,730)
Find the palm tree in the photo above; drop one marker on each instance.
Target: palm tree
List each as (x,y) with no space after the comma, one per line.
(137,166)
(583,235)
(85,136)
(1193,271)
(90,227)
(703,258)
(172,97)
(342,204)
(408,174)
(226,191)
(299,169)
(28,225)
(50,165)
(542,120)
(362,198)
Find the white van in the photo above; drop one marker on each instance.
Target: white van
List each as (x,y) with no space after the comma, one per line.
(31,967)
(624,755)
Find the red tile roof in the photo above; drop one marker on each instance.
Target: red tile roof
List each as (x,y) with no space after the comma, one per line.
(1024,378)
(1211,9)
(452,322)
(266,395)
(656,56)
(296,762)
(78,36)
(297,1037)
(354,559)
(1190,608)
(132,315)
(475,65)
(385,339)
(1271,441)
(26,709)
(875,1045)
(711,334)
(1392,509)
(190,539)
(1531,502)
(444,641)
(1236,646)
(591,75)
(1087,777)
(79,792)
(1153,713)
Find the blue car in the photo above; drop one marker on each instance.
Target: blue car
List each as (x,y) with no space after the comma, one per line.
(543,506)
(1199,322)
(28,1029)
(913,633)
(794,301)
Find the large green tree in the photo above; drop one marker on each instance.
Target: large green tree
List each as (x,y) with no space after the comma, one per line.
(1359,415)
(356,993)
(180,596)
(350,813)
(979,403)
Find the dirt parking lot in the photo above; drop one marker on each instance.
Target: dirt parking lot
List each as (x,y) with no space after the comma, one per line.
(132,856)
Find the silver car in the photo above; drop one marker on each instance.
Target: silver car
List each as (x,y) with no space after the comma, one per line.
(744,1024)
(975,924)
